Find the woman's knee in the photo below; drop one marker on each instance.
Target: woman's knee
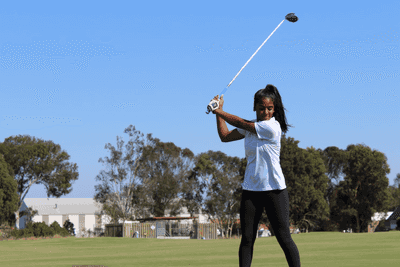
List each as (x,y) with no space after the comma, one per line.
(284,237)
(248,239)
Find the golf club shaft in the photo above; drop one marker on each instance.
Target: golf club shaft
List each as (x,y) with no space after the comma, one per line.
(226,88)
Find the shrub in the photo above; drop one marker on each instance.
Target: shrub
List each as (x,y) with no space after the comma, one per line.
(21,233)
(56,226)
(69,226)
(40,229)
(58,230)
(33,229)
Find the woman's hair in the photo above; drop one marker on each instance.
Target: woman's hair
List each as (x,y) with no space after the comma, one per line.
(271,91)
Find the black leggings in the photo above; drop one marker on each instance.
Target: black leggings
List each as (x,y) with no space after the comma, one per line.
(276,203)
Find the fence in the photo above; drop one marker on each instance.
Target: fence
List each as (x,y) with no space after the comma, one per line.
(113,230)
(168,229)
(206,231)
(142,230)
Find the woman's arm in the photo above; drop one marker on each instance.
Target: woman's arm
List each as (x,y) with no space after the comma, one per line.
(235,121)
(222,128)
(224,134)
(223,131)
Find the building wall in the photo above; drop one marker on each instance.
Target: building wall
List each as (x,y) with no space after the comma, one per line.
(37,218)
(45,218)
(22,222)
(90,222)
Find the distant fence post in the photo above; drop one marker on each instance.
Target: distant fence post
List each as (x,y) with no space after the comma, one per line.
(127,229)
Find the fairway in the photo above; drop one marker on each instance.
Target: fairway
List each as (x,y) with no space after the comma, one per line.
(328,249)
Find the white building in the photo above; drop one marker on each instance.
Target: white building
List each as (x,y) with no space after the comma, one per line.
(80,211)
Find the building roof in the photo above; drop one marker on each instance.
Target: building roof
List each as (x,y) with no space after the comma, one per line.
(394,215)
(60,206)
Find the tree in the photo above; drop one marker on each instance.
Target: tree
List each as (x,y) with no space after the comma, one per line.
(334,159)
(395,193)
(8,191)
(306,182)
(119,199)
(397,181)
(35,161)
(364,189)
(193,186)
(224,189)
(163,172)
(317,208)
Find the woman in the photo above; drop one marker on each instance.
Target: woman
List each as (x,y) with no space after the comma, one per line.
(264,184)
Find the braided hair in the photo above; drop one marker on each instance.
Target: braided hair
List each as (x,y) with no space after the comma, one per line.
(272,92)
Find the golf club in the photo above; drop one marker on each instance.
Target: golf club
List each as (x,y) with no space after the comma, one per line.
(214,104)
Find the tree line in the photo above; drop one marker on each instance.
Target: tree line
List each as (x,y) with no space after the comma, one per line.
(147,177)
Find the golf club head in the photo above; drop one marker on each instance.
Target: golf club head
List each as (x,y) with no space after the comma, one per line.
(291,17)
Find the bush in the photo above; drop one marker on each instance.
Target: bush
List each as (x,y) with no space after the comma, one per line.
(21,233)
(39,229)
(58,230)
(36,229)
(69,226)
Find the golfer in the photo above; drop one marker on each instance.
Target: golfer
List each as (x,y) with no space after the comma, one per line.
(264,184)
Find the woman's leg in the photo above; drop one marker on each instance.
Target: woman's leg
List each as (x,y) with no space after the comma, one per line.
(277,208)
(250,213)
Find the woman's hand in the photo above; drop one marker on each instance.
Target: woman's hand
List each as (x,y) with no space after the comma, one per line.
(221,102)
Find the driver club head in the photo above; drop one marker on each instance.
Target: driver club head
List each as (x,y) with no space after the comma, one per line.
(291,17)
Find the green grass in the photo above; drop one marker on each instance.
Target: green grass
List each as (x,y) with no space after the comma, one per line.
(328,249)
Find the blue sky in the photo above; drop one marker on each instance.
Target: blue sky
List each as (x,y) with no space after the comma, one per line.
(80,72)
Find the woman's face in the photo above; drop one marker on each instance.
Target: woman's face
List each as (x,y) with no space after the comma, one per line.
(265,109)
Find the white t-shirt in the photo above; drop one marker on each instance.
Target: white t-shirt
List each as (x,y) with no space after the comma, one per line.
(263,170)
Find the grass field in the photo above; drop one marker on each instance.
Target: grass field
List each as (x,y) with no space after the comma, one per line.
(328,249)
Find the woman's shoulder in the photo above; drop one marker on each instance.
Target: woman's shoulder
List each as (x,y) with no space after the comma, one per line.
(269,129)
